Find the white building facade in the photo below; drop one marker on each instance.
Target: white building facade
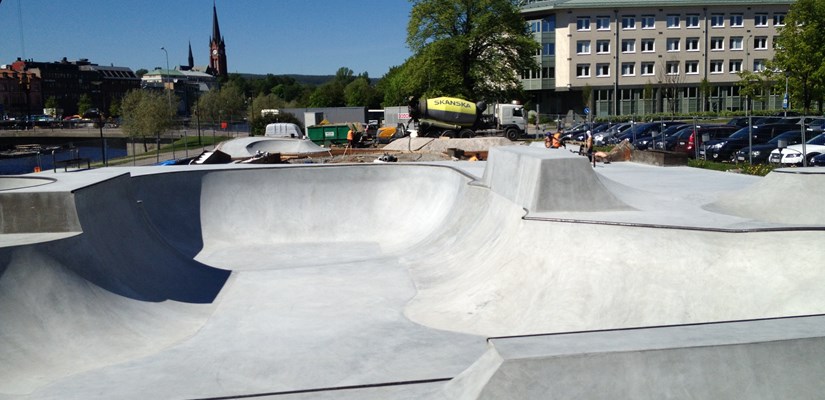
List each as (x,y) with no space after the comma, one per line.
(642,57)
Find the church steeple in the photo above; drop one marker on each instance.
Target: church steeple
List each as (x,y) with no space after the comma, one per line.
(217,47)
(191,58)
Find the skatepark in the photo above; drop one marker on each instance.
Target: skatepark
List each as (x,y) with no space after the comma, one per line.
(531,275)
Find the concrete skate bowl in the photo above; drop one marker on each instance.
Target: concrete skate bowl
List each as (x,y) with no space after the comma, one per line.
(441,262)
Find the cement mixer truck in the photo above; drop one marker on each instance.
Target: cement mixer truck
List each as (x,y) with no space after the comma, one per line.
(458,118)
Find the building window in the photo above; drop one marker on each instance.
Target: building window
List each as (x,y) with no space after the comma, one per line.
(717,20)
(735,66)
(672,68)
(692,44)
(717,43)
(583,23)
(760,20)
(716,67)
(628,69)
(628,22)
(602,70)
(548,24)
(737,21)
(673,44)
(535,26)
(548,73)
(672,21)
(583,70)
(758,65)
(779,19)
(603,23)
(548,49)
(760,43)
(736,43)
(648,68)
(648,45)
(692,67)
(602,46)
(583,47)
(648,22)
(692,21)
(628,45)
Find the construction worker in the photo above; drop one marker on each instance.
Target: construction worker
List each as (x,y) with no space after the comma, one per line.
(350,138)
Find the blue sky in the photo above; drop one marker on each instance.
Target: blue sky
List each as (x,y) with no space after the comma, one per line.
(262,36)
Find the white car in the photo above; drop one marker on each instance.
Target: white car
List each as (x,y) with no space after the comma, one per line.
(792,155)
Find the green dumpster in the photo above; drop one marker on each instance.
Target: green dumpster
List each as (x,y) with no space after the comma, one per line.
(325,135)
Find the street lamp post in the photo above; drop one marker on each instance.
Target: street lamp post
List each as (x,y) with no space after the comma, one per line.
(786,101)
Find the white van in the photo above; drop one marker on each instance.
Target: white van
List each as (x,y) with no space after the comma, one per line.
(284,129)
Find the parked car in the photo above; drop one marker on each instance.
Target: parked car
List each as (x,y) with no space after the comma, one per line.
(681,133)
(658,140)
(792,155)
(579,132)
(609,134)
(759,153)
(740,122)
(724,149)
(640,131)
(818,161)
(714,132)
(816,126)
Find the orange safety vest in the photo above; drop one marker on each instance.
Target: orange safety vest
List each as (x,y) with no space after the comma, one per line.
(349,135)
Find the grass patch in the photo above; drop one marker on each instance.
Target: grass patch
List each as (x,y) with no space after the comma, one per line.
(756,169)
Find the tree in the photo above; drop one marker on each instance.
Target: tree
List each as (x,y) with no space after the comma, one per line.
(226,103)
(360,93)
(474,49)
(84,103)
(146,114)
(141,72)
(799,50)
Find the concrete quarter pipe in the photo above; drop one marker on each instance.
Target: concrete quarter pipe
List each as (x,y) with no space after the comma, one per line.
(388,281)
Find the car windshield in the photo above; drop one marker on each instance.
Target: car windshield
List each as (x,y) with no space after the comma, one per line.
(785,136)
(820,139)
(742,133)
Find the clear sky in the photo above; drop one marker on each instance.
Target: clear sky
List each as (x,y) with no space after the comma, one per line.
(262,36)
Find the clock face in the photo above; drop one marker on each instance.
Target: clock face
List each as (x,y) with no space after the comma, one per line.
(214,52)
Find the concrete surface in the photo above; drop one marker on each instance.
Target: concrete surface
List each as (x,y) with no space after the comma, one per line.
(380,281)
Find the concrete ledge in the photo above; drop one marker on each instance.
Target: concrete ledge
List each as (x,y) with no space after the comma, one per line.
(541,180)
(659,158)
(764,359)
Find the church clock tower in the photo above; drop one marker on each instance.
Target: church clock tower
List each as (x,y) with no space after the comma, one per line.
(217,48)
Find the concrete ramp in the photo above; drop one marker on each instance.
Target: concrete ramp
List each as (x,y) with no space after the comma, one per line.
(768,359)
(790,196)
(541,180)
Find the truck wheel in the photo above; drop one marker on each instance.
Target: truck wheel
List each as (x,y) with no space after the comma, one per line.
(466,133)
(449,133)
(512,134)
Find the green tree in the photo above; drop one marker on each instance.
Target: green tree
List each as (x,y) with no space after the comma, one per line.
(360,93)
(799,50)
(225,104)
(475,49)
(84,103)
(146,114)
(141,72)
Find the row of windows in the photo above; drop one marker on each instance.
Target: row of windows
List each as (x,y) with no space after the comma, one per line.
(671,68)
(675,21)
(583,47)
(543,73)
(547,24)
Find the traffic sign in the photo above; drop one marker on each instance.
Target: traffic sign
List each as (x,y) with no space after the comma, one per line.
(785,102)
(587,111)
